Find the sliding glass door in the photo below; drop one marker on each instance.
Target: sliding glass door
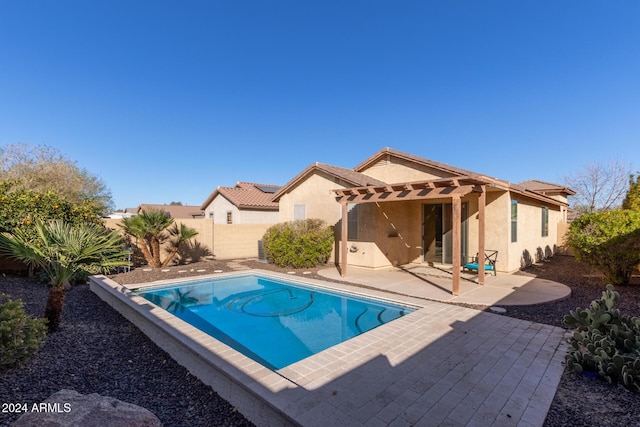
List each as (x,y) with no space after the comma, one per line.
(437,232)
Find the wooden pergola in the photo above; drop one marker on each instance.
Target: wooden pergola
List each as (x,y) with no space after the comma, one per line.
(443,188)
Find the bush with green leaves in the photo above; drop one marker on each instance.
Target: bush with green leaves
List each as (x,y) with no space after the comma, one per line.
(23,208)
(632,199)
(21,336)
(609,241)
(299,244)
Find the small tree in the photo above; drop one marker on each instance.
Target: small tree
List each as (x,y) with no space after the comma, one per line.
(610,241)
(303,243)
(64,252)
(42,169)
(153,228)
(22,208)
(632,199)
(599,186)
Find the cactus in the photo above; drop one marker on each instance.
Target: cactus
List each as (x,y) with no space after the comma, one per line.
(605,341)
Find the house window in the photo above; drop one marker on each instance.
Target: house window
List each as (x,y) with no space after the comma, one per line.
(352,221)
(545,221)
(514,220)
(229,217)
(211,214)
(299,212)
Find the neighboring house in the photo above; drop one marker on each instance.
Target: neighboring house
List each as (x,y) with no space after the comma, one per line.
(245,203)
(127,213)
(174,211)
(402,209)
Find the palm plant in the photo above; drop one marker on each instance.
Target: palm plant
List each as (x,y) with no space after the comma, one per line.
(153,228)
(64,252)
(178,236)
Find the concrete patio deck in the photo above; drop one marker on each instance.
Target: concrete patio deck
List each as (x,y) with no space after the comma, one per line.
(441,365)
(435,283)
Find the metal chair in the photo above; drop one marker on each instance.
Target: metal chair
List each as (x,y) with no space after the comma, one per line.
(490,259)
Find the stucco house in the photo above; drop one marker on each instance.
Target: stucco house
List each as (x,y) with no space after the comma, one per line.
(244,203)
(401,208)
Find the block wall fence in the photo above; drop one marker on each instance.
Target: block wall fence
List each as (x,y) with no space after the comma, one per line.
(223,241)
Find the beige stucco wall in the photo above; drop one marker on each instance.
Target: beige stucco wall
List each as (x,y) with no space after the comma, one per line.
(315,193)
(563,230)
(392,233)
(497,225)
(393,170)
(531,246)
(387,235)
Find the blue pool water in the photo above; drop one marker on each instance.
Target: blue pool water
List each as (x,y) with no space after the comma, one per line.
(274,322)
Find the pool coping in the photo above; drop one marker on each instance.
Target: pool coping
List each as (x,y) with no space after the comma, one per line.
(321,386)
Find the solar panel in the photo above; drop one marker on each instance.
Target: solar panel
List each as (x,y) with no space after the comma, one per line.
(267,188)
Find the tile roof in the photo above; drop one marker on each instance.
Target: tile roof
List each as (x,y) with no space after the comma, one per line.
(542,186)
(174,211)
(455,171)
(415,159)
(356,178)
(247,195)
(349,175)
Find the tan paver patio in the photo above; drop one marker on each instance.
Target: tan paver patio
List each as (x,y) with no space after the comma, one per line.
(442,365)
(435,284)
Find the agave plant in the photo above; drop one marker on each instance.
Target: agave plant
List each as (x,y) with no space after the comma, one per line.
(64,252)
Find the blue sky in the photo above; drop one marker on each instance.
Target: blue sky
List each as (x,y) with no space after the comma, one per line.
(166,100)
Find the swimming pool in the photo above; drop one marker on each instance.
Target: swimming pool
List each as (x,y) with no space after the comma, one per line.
(273,321)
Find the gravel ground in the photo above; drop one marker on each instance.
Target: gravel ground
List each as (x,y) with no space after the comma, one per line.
(580,400)
(98,351)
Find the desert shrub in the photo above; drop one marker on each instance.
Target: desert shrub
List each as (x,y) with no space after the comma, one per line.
(299,244)
(20,335)
(605,341)
(609,241)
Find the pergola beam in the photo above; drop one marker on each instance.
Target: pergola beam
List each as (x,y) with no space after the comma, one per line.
(445,188)
(390,194)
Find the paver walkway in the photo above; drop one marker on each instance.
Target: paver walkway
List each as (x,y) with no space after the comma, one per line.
(441,365)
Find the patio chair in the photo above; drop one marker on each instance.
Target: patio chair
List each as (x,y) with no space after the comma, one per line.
(490,258)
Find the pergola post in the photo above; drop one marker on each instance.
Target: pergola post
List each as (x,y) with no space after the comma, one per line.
(434,189)
(456,208)
(482,201)
(343,239)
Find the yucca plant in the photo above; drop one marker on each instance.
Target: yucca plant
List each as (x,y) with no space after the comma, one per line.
(64,252)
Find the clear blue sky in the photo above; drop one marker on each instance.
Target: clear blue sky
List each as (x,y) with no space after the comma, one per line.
(166,100)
